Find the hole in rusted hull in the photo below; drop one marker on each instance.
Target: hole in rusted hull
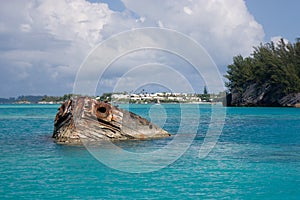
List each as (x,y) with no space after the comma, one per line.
(101,109)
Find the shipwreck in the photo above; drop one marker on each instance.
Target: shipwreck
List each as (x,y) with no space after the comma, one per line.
(85,119)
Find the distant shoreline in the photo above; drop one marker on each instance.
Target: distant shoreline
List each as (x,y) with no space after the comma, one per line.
(192,103)
(119,98)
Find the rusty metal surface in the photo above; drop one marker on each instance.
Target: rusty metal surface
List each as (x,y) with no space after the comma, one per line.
(90,120)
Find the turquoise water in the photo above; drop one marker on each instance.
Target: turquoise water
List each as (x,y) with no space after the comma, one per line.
(257,157)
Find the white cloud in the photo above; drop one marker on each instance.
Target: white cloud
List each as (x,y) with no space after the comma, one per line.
(187,10)
(160,24)
(72,20)
(52,38)
(224,28)
(25,27)
(277,39)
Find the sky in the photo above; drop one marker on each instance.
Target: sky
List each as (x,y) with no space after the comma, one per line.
(45,45)
(278,18)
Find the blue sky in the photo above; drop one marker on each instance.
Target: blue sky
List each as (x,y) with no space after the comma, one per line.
(43,43)
(278,17)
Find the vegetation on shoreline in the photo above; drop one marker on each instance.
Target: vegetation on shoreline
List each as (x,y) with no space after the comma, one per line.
(35,99)
(276,65)
(132,98)
(162,97)
(272,69)
(56,98)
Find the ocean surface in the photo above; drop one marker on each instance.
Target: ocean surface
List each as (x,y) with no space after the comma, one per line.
(257,156)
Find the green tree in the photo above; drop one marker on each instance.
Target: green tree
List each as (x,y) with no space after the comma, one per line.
(273,65)
(205,90)
(106,97)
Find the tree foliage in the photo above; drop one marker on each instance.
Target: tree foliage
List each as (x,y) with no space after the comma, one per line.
(106,97)
(205,96)
(277,66)
(56,98)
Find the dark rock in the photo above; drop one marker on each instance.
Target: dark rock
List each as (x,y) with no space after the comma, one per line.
(265,95)
(227,100)
(291,100)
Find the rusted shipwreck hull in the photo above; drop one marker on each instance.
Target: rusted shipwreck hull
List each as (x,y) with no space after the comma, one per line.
(88,120)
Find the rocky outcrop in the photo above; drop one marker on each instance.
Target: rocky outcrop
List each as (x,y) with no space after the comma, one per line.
(291,100)
(265,95)
(88,120)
